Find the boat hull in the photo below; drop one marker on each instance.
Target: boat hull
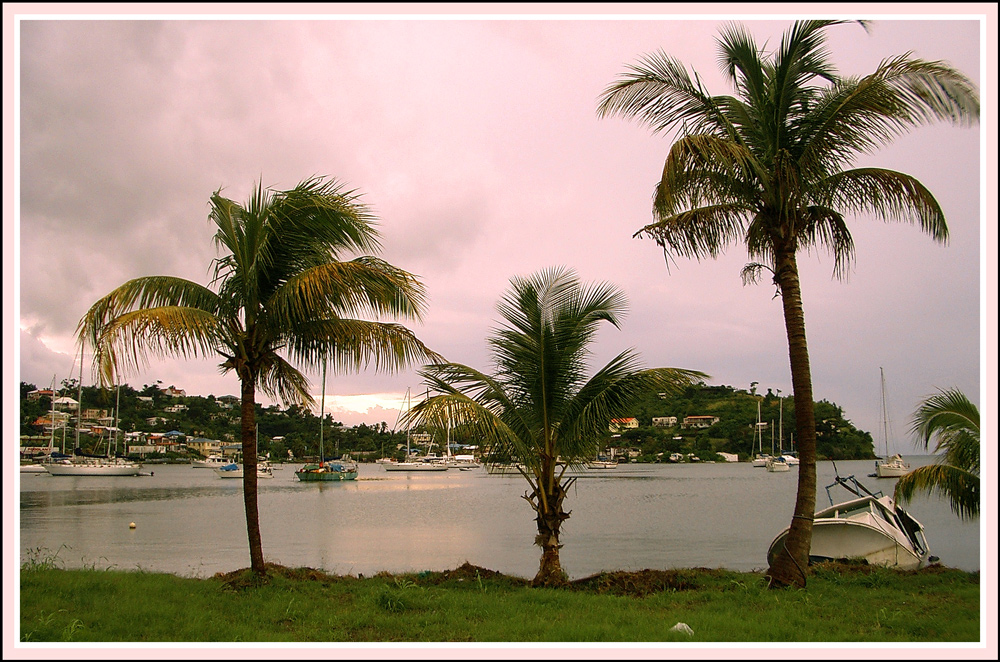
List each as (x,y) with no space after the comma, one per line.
(314,473)
(93,469)
(836,540)
(892,468)
(415,466)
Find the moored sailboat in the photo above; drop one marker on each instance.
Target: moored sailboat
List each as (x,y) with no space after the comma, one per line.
(894,466)
(326,471)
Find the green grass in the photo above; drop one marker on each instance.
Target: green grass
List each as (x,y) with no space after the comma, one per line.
(469,604)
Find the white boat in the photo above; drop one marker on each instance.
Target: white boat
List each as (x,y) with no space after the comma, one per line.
(233,470)
(777,464)
(424,464)
(759,460)
(600,463)
(34,468)
(326,471)
(869,527)
(92,465)
(791,460)
(889,467)
(892,467)
(211,462)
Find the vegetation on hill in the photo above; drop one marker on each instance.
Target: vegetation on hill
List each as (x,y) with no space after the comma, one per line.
(296,429)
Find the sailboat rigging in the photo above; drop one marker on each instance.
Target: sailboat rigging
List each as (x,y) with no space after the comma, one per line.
(326,471)
(889,467)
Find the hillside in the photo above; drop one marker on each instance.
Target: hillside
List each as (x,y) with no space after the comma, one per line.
(153,410)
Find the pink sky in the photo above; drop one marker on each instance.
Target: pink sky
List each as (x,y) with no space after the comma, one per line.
(477,144)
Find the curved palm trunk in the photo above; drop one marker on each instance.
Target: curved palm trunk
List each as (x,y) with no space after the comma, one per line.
(248,438)
(790,567)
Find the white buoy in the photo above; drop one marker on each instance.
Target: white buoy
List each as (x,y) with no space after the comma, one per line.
(131,525)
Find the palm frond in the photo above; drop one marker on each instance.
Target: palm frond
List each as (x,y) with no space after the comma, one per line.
(352,344)
(958,486)
(886,194)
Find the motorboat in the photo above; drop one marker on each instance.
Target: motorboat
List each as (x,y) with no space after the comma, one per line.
(602,463)
(233,470)
(211,462)
(869,527)
(791,460)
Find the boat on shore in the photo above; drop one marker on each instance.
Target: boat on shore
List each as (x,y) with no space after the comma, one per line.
(869,527)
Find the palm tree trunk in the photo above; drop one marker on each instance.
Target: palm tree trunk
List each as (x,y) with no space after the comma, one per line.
(248,437)
(548,504)
(790,566)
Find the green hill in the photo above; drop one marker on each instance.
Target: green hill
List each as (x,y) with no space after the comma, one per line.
(736,411)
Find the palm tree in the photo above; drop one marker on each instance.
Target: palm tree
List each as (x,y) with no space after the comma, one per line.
(282,295)
(769,168)
(539,408)
(954,420)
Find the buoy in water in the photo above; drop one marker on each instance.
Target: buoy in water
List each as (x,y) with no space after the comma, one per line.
(131,525)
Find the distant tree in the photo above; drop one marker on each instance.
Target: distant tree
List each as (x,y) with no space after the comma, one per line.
(952,420)
(539,407)
(281,291)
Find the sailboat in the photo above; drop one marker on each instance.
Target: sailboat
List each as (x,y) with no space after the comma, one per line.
(790,457)
(889,467)
(93,465)
(760,460)
(776,463)
(326,471)
(409,464)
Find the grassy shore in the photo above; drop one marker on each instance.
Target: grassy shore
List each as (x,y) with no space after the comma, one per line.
(471,604)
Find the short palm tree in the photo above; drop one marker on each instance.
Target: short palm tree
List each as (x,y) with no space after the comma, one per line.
(281,296)
(954,420)
(769,168)
(539,408)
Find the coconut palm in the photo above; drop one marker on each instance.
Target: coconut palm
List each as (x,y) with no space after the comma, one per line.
(539,408)
(954,420)
(769,168)
(281,296)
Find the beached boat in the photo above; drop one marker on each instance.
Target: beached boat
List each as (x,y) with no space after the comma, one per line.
(869,527)
(894,466)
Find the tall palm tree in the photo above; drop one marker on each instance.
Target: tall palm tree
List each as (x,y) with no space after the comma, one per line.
(769,168)
(281,295)
(954,420)
(539,408)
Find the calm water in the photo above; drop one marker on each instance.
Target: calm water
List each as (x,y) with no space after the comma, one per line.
(190,522)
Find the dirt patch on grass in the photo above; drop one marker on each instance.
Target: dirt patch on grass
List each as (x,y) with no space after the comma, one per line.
(648,582)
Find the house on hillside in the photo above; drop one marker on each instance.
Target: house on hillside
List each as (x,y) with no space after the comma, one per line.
(619,424)
(699,421)
(664,421)
(173,392)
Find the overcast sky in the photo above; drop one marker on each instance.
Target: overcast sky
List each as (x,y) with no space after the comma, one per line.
(477,144)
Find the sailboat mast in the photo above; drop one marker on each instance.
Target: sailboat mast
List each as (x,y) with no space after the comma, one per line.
(52,432)
(118,395)
(322,413)
(885,415)
(79,400)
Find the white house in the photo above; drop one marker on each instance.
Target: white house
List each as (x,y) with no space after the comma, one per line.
(664,421)
(699,421)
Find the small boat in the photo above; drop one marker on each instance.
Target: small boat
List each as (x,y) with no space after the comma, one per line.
(33,468)
(409,464)
(777,464)
(759,460)
(233,470)
(890,467)
(602,462)
(869,527)
(332,470)
(791,460)
(326,470)
(211,462)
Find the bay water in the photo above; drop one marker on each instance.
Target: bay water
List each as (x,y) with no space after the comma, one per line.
(190,522)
